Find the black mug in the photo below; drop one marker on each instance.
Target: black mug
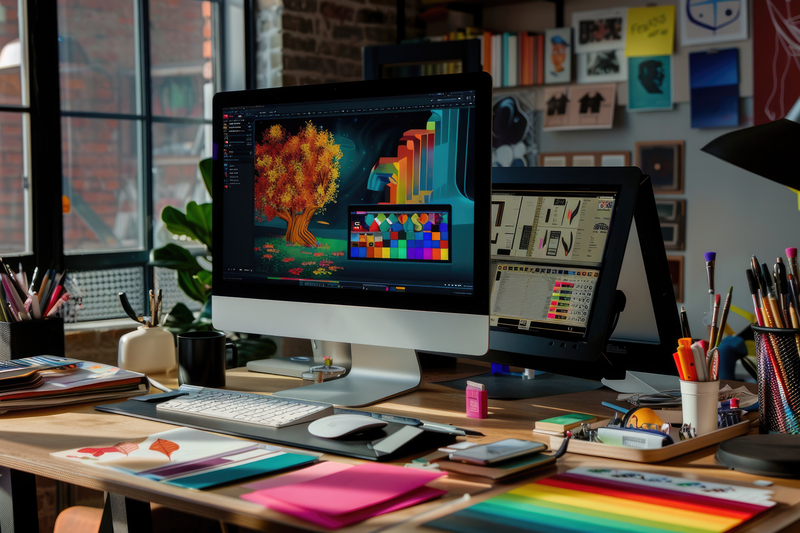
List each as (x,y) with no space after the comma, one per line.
(201,358)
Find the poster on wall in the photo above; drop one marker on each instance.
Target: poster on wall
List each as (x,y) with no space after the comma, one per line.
(513,142)
(579,107)
(558,55)
(651,31)
(776,67)
(714,85)
(650,83)
(714,21)
(602,67)
(597,30)
(663,162)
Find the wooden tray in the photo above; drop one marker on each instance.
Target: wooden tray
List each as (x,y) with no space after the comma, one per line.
(656,455)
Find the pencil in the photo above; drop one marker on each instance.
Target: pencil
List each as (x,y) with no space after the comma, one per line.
(687,333)
(724,319)
(714,318)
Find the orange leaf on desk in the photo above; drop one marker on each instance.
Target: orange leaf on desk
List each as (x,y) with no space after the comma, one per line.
(127,447)
(164,446)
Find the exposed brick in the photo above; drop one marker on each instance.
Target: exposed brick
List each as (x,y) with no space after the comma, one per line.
(289,80)
(295,23)
(342,50)
(300,44)
(306,6)
(371,16)
(348,32)
(380,35)
(331,10)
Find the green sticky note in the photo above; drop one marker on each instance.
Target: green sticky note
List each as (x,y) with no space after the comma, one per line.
(268,465)
(570,418)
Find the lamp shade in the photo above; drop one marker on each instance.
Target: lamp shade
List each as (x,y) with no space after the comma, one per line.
(769,150)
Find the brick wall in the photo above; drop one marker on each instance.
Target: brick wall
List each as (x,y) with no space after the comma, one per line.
(322,39)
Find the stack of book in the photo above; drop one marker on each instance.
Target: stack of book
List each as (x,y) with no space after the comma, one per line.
(514,59)
(45,381)
(559,425)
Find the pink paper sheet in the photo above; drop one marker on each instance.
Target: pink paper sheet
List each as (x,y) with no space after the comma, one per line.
(309,473)
(414,497)
(362,486)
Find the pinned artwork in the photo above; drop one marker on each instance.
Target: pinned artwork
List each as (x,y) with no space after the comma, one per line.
(601,67)
(672,216)
(650,83)
(558,55)
(663,162)
(651,31)
(577,107)
(513,142)
(714,83)
(602,29)
(713,21)
(776,49)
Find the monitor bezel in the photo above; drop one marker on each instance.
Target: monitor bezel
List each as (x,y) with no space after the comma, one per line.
(552,344)
(475,304)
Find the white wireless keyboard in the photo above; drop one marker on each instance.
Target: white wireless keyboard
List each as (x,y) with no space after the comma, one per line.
(238,412)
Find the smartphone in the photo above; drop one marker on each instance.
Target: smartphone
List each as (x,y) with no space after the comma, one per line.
(486,454)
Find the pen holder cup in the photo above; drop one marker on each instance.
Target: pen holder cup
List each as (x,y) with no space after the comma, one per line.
(778,363)
(31,337)
(700,399)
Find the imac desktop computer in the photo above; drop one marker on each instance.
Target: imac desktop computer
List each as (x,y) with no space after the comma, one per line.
(356,213)
(579,277)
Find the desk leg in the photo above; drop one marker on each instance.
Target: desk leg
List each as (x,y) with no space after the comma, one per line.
(124,515)
(19,510)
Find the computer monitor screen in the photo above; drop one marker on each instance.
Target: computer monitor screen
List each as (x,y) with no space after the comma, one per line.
(567,245)
(358,213)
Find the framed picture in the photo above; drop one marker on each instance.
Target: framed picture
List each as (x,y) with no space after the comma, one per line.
(672,216)
(603,66)
(579,107)
(585,159)
(712,22)
(663,162)
(650,83)
(602,29)
(558,55)
(675,264)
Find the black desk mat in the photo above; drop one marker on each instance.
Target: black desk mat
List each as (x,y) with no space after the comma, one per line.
(298,435)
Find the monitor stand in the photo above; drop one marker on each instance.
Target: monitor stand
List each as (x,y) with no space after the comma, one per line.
(502,384)
(294,367)
(377,373)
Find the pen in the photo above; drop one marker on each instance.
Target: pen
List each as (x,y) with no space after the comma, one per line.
(714,318)
(724,319)
(710,258)
(751,284)
(13,280)
(772,301)
(685,323)
(781,283)
(791,256)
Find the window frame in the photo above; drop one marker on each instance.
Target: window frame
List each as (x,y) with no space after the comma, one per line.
(46,116)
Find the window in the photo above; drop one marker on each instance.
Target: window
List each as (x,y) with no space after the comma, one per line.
(136,80)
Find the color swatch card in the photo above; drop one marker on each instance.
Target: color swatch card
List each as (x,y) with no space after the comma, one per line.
(349,495)
(189,458)
(611,500)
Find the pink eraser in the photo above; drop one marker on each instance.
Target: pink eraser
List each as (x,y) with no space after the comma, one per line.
(791,252)
(477,403)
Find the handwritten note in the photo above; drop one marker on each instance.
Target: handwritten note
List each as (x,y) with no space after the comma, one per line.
(651,31)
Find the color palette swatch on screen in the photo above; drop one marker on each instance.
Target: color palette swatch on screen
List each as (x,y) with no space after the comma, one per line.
(400,233)
(559,302)
(606,500)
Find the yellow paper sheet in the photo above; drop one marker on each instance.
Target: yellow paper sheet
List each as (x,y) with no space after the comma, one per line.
(651,31)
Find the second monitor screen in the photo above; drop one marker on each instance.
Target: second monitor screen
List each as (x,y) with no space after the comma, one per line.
(548,251)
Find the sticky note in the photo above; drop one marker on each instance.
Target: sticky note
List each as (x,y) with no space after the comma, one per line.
(651,31)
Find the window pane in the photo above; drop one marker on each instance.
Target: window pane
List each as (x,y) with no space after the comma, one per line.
(180,51)
(96,55)
(101,169)
(176,179)
(10,54)
(13,188)
(93,294)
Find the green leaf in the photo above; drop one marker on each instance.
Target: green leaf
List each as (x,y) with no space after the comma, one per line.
(177,223)
(204,277)
(177,258)
(205,171)
(192,287)
(179,316)
(198,219)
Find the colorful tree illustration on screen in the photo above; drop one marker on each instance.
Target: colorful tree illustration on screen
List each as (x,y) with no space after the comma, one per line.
(296,176)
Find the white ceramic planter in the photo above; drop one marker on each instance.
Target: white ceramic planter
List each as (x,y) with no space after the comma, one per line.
(149,350)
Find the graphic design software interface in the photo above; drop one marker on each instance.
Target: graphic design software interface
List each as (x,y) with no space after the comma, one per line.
(368,194)
(548,251)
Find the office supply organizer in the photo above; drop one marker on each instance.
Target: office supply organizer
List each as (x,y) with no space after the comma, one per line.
(656,455)
(778,361)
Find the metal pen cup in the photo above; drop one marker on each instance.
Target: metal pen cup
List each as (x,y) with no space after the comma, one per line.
(778,363)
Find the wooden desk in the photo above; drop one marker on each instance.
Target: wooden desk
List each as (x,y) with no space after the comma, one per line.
(28,437)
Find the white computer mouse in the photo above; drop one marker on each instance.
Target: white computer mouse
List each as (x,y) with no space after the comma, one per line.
(331,427)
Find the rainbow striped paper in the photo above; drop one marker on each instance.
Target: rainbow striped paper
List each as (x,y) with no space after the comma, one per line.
(612,501)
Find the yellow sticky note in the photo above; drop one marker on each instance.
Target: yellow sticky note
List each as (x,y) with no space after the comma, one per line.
(651,31)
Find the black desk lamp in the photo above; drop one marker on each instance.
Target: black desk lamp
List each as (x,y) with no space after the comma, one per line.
(769,150)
